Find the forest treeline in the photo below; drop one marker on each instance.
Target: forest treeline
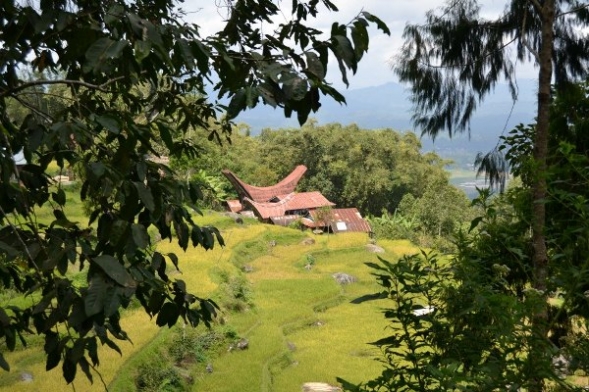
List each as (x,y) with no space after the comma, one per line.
(381,172)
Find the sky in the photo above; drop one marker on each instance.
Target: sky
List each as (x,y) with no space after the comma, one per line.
(375,68)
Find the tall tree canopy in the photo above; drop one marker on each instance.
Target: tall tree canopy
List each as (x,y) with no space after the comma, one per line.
(124,71)
(456,58)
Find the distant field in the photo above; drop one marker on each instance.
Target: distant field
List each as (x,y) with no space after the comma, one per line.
(466,180)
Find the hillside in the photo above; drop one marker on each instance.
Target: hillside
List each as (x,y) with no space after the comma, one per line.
(388,106)
(277,291)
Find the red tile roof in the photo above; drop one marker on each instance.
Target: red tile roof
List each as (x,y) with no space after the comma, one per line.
(264,194)
(292,202)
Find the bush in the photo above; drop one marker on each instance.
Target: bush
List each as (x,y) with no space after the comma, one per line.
(234,292)
(158,375)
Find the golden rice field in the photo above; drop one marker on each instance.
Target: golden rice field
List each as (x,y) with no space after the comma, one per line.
(301,327)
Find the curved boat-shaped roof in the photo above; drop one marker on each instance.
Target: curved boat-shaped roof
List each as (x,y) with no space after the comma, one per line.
(263,194)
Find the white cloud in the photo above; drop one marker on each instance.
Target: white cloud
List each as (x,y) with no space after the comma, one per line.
(375,67)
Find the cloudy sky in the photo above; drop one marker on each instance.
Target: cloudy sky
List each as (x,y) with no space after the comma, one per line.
(375,67)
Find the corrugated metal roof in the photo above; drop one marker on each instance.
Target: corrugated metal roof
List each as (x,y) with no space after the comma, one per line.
(264,194)
(292,202)
(346,219)
(284,220)
(234,205)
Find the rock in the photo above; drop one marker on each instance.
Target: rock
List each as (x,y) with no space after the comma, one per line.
(308,267)
(343,278)
(242,344)
(237,218)
(248,268)
(319,387)
(209,368)
(308,241)
(291,346)
(272,243)
(372,248)
(25,377)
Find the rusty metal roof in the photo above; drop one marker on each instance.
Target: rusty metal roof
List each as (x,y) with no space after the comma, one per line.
(292,202)
(346,219)
(264,194)
(234,205)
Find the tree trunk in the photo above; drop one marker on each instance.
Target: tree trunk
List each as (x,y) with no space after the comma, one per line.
(540,257)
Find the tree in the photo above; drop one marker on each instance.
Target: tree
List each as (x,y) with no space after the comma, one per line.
(131,70)
(456,58)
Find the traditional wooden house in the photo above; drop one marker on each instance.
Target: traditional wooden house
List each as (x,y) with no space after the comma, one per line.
(281,205)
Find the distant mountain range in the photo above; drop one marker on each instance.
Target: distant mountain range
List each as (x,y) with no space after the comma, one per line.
(388,106)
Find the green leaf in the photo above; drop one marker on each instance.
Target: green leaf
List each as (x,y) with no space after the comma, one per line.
(103,50)
(156,260)
(360,38)
(202,55)
(97,169)
(4,319)
(168,314)
(94,300)
(343,51)
(237,104)
(166,136)
(3,364)
(53,358)
(59,196)
(115,270)
(220,239)
(185,50)
(140,236)
(314,65)
(379,23)
(295,89)
(92,348)
(174,259)
(119,232)
(156,301)
(474,223)
(44,303)
(196,236)
(109,123)
(141,49)
(182,234)
(69,367)
(112,301)
(85,366)
(145,195)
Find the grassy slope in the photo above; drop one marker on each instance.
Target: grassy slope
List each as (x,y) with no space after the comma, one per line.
(305,310)
(309,311)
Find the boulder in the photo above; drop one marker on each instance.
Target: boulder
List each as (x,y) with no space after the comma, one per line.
(26,377)
(343,278)
(319,387)
(242,344)
(308,241)
(372,248)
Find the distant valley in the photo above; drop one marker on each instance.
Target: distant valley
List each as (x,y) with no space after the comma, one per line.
(388,106)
